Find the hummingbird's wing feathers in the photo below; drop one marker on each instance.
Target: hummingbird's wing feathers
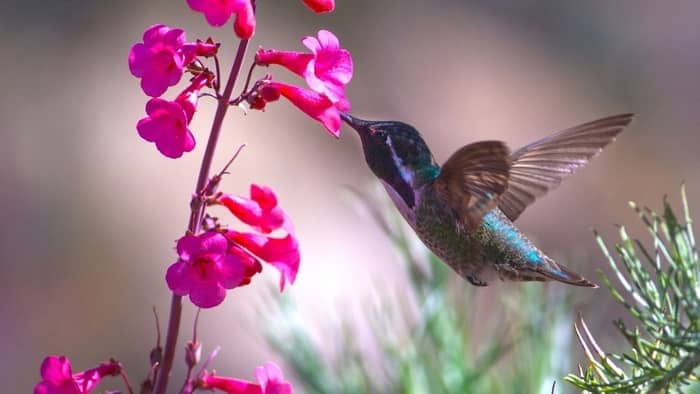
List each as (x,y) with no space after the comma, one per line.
(542,165)
(472,179)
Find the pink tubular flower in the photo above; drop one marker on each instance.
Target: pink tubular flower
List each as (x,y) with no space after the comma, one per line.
(319,6)
(57,377)
(326,70)
(251,265)
(314,104)
(281,253)
(261,212)
(160,60)
(189,97)
(167,126)
(218,12)
(206,48)
(204,270)
(269,376)
(167,121)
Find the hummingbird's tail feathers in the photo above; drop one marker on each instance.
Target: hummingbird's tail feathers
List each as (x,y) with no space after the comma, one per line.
(553,271)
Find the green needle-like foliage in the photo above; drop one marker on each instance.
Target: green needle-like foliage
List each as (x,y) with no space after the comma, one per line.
(661,290)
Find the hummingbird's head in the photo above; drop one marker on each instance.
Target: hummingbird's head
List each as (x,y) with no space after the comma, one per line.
(397,154)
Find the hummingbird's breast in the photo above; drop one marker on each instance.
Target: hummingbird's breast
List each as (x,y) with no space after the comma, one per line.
(479,255)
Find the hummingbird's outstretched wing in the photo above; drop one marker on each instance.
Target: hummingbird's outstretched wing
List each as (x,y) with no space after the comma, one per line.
(472,179)
(542,165)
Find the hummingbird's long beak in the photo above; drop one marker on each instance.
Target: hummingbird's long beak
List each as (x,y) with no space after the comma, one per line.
(360,125)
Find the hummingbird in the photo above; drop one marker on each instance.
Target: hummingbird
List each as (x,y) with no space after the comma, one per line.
(464,210)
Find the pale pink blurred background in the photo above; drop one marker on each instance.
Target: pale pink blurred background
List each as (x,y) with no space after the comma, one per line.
(89,211)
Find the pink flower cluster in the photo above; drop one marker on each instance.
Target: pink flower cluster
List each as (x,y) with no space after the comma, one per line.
(160,62)
(218,260)
(164,55)
(269,376)
(218,12)
(58,378)
(326,71)
(212,258)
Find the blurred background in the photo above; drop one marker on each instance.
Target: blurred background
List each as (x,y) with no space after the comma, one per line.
(90,212)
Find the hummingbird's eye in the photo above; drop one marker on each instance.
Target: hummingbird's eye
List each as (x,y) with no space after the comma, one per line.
(378,133)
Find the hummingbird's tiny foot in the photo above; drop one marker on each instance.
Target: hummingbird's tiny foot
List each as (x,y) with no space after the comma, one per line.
(476,282)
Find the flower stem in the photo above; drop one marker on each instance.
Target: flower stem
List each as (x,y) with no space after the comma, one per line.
(197,210)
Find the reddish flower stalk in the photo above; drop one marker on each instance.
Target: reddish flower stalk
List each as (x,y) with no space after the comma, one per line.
(197,210)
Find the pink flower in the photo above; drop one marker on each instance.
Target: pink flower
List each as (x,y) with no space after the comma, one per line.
(201,48)
(251,265)
(262,212)
(204,270)
(314,104)
(269,376)
(326,70)
(281,253)
(320,5)
(212,262)
(218,12)
(167,126)
(57,377)
(190,96)
(160,60)
(167,121)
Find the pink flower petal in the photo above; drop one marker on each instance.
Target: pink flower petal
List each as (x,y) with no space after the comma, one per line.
(312,44)
(205,269)
(154,34)
(166,125)
(260,212)
(231,271)
(56,369)
(174,38)
(216,12)
(229,385)
(137,54)
(198,5)
(207,296)
(319,6)
(317,106)
(186,246)
(244,26)
(328,40)
(190,96)
(160,60)
(281,253)
(295,62)
(178,279)
(57,377)
(212,242)
(264,196)
(270,378)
